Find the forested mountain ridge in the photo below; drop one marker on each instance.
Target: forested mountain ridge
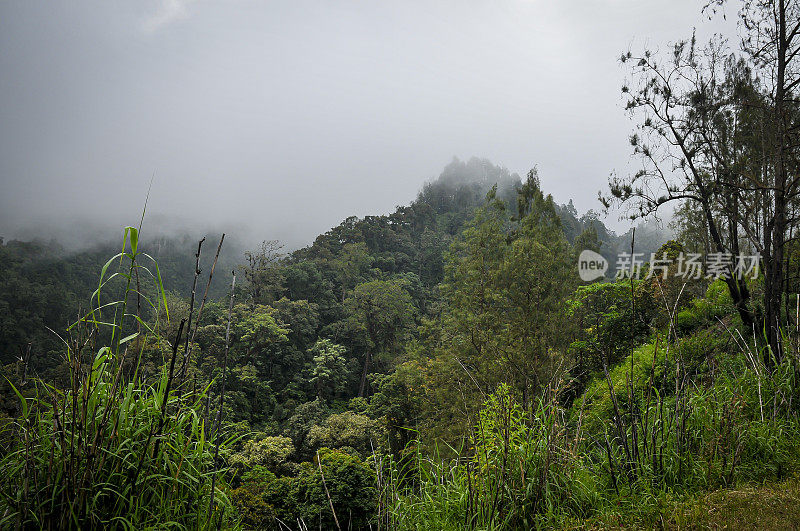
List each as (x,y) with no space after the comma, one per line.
(43,283)
(443,207)
(315,327)
(457,363)
(449,339)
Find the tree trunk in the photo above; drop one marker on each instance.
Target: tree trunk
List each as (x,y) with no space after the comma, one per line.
(363,387)
(773,274)
(738,289)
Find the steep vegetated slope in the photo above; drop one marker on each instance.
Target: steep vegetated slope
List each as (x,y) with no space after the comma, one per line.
(440,367)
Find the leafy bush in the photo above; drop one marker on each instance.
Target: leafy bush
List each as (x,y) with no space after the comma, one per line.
(688,321)
(520,472)
(683,418)
(348,429)
(271,453)
(593,409)
(334,479)
(305,417)
(611,324)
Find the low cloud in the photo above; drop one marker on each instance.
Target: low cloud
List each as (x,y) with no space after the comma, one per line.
(166,12)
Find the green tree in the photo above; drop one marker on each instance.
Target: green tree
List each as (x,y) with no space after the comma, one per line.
(720,131)
(349,431)
(588,239)
(385,310)
(331,478)
(256,332)
(263,273)
(473,302)
(505,283)
(350,264)
(329,368)
(272,453)
(305,417)
(536,275)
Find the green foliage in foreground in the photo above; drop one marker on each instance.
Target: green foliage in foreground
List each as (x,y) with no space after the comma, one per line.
(519,471)
(551,405)
(647,446)
(111,451)
(88,463)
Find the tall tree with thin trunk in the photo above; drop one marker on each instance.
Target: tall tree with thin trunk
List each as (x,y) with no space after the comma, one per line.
(718,129)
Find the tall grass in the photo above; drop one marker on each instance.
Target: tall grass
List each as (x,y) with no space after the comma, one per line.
(681,431)
(664,429)
(520,470)
(111,449)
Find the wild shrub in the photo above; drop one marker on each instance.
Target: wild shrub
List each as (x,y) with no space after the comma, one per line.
(336,490)
(520,471)
(672,420)
(359,433)
(690,428)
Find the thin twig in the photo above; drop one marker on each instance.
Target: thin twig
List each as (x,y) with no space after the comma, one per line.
(190,341)
(182,371)
(328,494)
(221,397)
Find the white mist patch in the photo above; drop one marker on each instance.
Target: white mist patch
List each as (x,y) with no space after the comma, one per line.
(591,265)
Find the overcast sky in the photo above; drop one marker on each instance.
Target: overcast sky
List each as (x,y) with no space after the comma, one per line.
(279,119)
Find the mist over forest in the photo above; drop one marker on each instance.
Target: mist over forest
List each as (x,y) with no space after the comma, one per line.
(482,266)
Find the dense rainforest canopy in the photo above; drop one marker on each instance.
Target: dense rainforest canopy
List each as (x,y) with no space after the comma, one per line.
(443,366)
